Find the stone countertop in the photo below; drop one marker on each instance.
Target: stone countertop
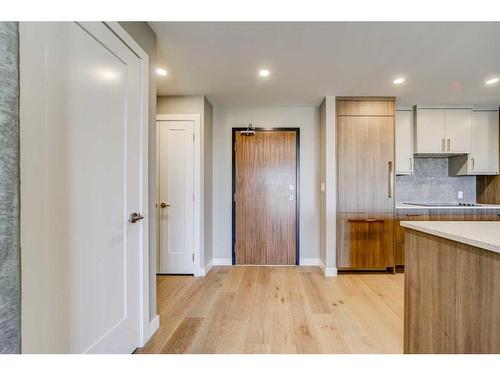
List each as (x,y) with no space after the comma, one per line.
(482,234)
(403,206)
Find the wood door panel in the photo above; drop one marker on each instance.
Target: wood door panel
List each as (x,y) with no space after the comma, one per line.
(365,241)
(366,149)
(265,226)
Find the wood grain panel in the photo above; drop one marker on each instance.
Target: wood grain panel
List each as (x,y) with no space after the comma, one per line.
(265,217)
(399,231)
(452,296)
(365,149)
(365,107)
(488,189)
(475,214)
(365,241)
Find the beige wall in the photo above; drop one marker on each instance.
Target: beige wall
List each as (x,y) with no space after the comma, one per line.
(201,106)
(146,38)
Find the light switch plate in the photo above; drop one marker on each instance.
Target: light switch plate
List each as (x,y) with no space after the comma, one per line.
(460,195)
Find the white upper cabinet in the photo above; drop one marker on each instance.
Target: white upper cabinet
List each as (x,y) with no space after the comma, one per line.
(483,159)
(458,130)
(404,141)
(440,130)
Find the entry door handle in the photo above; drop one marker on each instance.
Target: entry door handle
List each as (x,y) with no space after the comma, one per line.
(163,205)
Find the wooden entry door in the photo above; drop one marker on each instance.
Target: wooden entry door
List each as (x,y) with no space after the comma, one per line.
(265,197)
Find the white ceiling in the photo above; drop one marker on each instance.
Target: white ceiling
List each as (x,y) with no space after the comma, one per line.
(444,63)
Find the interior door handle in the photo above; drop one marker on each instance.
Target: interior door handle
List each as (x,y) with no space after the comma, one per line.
(135,217)
(163,205)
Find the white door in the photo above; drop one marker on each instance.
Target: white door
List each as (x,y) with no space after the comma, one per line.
(458,130)
(484,156)
(430,131)
(404,141)
(81,162)
(176,196)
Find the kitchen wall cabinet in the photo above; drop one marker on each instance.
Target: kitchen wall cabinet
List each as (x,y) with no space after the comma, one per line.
(484,156)
(440,130)
(465,214)
(366,240)
(365,182)
(404,141)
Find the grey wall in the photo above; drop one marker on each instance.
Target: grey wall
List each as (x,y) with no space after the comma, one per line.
(430,183)
(305,118)
(10,287)
(146,38)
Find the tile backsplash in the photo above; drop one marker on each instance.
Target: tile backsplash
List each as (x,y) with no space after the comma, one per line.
(430,183)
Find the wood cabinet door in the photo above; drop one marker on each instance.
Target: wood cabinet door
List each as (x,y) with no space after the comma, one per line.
(484,156)
(429,131)
(365,163)
(458,130)
(399,231)
(365,241)
(404,141)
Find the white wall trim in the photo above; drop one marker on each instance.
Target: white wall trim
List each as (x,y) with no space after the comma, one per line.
(154,325)
(328,271)
(199,269)
(310,262)
(222,262)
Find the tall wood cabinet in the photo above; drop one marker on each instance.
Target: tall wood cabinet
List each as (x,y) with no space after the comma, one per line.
(365,182)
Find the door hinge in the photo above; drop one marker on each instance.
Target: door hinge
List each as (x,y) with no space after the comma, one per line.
(193,197)
(193,137)
(193,257)
(234,146)
(234,197)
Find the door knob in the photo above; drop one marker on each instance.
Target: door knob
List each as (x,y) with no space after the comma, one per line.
(163,205)
(135,217)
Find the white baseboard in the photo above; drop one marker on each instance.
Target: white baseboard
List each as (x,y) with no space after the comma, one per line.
(154,325)
(208,267)
(328,271)
(310,262)
(222,262)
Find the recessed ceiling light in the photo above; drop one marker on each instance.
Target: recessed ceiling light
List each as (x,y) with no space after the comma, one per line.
(264,73)
(492,81)
(398,81)
(161,72)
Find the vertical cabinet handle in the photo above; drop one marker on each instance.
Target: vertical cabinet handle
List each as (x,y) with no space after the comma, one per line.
(472,164)
(391,180)
(448,144)
(411,164)
(442,144)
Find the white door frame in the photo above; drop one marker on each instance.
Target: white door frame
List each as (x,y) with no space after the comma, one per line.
(199,269)
(144,330)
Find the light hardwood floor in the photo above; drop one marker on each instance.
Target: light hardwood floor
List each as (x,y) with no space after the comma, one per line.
(279,310)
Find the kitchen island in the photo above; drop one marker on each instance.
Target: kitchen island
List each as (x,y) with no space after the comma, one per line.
(452,287)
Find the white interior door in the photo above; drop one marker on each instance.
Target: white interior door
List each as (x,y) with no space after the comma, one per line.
(176,196)
(81,129)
